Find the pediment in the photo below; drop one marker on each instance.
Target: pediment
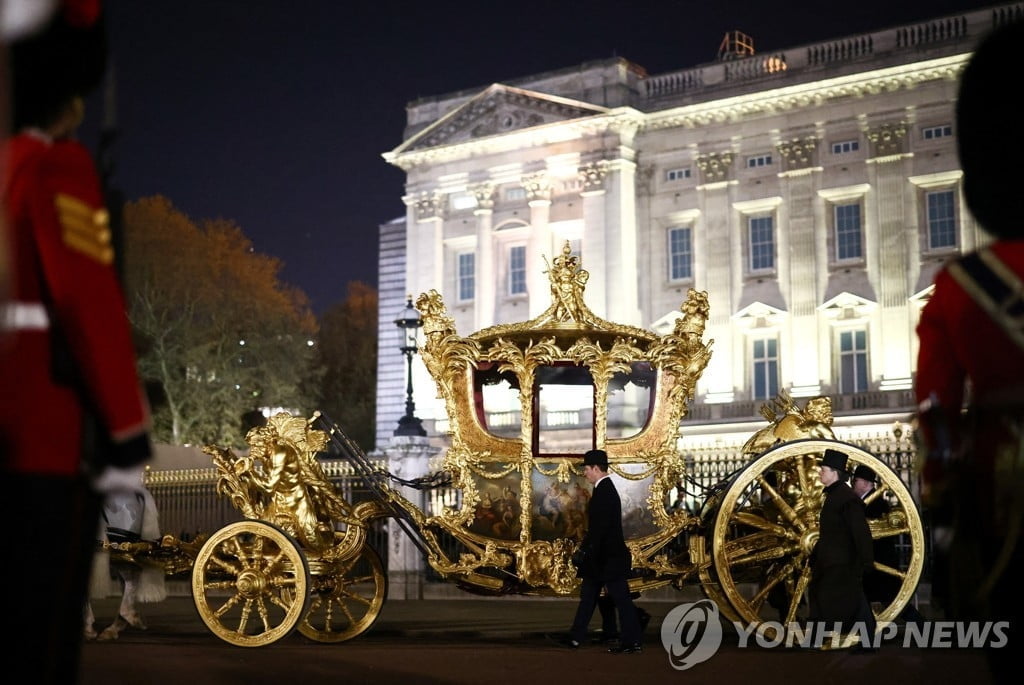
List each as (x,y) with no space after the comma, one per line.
(847,300)
(758,310)
(498,110)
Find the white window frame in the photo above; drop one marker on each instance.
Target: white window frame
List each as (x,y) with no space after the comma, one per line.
(687,255)
(678,174)
(751,209)
(465,278)
(859,358)
(837,208)
(945,181)
(935,132)
(515,193)
(773,243)
(516,273)
(931,222)
(758,161)
(844,147)
(766,364)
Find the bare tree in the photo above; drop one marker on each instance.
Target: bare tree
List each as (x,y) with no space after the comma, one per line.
(219,335)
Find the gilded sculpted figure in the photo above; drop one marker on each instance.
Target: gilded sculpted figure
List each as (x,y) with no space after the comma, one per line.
(299,497)
(567,283)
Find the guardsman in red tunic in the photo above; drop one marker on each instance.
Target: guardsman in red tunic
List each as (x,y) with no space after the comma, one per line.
(68,377)
(971,357)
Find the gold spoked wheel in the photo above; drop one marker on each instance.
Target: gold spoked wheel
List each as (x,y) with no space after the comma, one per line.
(250,583)
(346,602)
(767,527)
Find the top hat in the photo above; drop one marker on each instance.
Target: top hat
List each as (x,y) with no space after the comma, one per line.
(596,458)
(834,459)
(865,473)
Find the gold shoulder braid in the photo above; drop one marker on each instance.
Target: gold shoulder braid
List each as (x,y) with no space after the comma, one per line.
(85,229)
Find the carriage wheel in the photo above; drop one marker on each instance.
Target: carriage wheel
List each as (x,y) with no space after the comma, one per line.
(767,527)
(344,605)
(250,583)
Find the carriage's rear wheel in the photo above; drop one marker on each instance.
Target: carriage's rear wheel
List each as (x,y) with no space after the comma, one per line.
(346,603)
(767,526)
(250,583)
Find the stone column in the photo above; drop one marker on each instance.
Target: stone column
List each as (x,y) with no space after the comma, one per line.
(614,183)
(408,457)
(427,241)
(891,346)
(538,248)
(724,257)
(798,267)
(486,271)
(594,245)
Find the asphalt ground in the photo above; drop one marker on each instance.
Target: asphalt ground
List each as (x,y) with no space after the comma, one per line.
(503,640)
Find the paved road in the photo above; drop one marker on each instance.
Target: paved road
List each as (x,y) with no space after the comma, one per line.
(494,640)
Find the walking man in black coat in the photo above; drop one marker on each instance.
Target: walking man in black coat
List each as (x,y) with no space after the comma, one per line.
(878,586)
(607,560)
(844,551)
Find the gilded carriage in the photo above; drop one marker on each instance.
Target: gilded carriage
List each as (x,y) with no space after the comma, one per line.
(300,559)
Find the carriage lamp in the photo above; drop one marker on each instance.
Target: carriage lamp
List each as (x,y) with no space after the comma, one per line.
(409,321)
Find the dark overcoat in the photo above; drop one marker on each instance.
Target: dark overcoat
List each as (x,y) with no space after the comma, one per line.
(608,556)
(882,587)
(843,553)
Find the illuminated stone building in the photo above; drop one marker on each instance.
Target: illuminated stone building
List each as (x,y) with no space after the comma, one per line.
(812,192)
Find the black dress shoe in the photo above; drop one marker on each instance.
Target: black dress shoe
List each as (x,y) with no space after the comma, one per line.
(626,649)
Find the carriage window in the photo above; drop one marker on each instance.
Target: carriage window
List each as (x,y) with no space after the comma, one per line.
(564,420)
(630,400)
(497,400)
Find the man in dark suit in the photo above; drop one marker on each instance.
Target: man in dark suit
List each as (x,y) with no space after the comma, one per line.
(607,560)
(843,553)
(879,586)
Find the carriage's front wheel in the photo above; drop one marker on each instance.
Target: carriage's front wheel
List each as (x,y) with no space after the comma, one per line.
(250,583)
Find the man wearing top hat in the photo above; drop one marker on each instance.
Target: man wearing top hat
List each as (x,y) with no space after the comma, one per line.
(879,586)
(844,551)
(607,560)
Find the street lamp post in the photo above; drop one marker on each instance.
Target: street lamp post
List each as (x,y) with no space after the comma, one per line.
(409,321)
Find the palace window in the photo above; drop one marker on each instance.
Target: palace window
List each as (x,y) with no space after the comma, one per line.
(941,219)
(853,361)
(848,231)
(517,270)
(759,161)
(680,253)
(762,243)
(466,276)
(765,366)
(677,174)
(932,132)
(845,146)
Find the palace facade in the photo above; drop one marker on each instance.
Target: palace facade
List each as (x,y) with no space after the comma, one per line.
(812,192)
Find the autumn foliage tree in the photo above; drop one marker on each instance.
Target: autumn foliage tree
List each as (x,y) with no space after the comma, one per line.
(347,353)
(219,335)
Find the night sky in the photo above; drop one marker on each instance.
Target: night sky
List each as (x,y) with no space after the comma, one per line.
(274,113)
